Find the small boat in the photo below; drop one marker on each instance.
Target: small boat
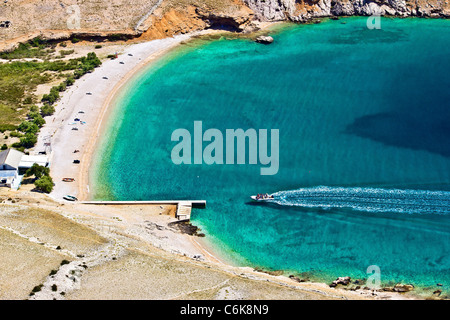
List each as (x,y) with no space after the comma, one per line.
(262,197)
(70,198)
(68,179)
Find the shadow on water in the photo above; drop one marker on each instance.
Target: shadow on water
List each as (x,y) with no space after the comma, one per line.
(406,131)
(415,119)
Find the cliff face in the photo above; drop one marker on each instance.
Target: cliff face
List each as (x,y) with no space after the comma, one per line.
(192,15)
(300,10)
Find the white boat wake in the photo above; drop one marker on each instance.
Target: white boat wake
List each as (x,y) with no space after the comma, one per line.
(367,199)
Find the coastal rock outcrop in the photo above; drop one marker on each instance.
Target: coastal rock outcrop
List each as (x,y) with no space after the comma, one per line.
(403,287)
(264,39)
(303,10)
(237,19)
(153,19)
(341,280)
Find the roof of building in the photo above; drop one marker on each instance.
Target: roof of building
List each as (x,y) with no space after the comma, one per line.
(11,158)
(28,161)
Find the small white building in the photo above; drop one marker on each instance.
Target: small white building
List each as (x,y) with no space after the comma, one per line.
(13,164)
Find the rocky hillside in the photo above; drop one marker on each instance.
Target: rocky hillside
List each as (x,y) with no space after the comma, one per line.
(301,10)
(23,19)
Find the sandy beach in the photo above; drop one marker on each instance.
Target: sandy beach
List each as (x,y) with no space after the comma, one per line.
(92,95)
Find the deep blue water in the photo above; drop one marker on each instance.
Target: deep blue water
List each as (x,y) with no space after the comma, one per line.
(363,117)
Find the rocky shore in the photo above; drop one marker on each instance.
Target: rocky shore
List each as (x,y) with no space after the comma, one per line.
(301,11)
(166,18)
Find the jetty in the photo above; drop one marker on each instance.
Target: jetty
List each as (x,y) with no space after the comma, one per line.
(183,212)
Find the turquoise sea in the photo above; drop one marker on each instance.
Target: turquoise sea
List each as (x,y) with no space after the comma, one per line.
(364,124)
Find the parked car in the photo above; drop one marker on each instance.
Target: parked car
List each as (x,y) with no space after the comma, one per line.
(76,161)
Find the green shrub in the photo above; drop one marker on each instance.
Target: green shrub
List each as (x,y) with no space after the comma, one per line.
(44,184)
(28,127)
(7,127)
(62,87)
(28,140)
(15,134)
(4,147)
(47,110)
(39,121)
(98,46)
(66,52)
(28,100)
(70,81)
(18,146)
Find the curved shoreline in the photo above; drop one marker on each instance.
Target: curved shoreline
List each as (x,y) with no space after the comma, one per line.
(93,95)
(104,112)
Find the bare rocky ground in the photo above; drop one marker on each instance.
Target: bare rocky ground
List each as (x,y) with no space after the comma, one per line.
(53,250)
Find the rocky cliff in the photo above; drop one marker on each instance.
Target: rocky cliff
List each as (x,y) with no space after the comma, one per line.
(301,10)
(150,19)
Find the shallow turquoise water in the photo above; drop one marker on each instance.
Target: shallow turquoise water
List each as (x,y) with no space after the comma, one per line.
(363,112)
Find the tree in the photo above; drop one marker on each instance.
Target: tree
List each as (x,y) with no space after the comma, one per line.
(44,184)
(34,108)
(70,81)
(39,121)
(47,110)
(29,140)
(37,171)
(28,127)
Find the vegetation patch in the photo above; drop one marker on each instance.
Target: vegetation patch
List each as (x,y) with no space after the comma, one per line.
(19,81)
(43,182)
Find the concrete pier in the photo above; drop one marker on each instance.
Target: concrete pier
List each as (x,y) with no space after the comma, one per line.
(183,212)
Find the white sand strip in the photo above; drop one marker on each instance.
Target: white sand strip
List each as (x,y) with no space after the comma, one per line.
(64,140)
